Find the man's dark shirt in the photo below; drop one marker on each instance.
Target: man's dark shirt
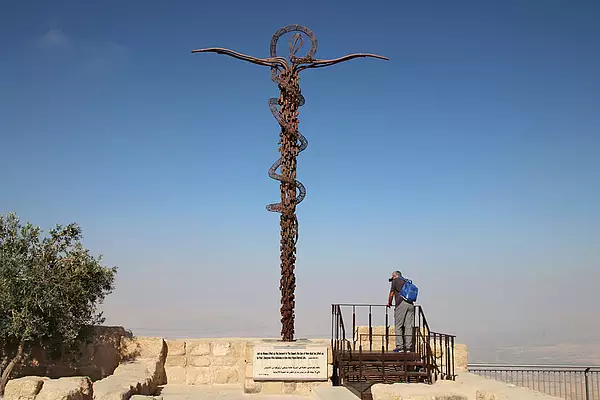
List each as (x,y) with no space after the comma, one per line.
(396,288)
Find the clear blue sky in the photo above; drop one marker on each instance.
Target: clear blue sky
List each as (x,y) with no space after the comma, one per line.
(469,161)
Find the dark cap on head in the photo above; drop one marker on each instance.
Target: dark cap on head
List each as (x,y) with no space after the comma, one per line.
(396,273)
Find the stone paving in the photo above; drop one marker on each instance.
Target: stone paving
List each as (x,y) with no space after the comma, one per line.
(466,387)
(221,392)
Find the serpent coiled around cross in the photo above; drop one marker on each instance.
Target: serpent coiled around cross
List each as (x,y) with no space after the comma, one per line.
(285,72)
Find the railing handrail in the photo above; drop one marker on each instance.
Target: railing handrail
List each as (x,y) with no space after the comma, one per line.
(535,366)
(442,334)
(361,335)
(418,306)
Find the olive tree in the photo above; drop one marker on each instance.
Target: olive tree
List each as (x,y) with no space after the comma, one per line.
(50,288)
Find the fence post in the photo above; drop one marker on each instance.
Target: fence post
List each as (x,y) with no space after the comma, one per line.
(587,384)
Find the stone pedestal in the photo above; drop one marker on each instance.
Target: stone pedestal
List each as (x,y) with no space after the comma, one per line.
(277,367)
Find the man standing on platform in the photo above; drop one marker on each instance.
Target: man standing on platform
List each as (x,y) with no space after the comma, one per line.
(404,314)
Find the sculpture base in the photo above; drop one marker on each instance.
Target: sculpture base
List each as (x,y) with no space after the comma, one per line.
(301,360)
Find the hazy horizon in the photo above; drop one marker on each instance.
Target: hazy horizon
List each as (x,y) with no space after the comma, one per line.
(469,161)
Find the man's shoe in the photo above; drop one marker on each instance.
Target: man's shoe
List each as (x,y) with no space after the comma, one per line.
(398,350)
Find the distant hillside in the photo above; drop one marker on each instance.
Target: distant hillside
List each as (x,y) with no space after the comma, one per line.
(588,354)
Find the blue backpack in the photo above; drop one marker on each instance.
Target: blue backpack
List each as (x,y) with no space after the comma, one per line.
(409,290)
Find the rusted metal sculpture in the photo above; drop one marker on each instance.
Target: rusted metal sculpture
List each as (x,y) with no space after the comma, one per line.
(285,72)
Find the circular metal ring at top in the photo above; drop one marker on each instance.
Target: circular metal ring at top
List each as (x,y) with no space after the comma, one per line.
(295,28)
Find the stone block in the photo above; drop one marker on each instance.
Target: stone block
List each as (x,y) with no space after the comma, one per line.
(176,347)
(378,332)
(226,375)
(25,388)
(289,387)
(486,395)
(199,361)
(238,349)
(232,361)
(249,372)
(176,361)
(144,352)
(143,347)
(303,389)
(105,351)
(176,375)
(141,397)
(220,348)
(415,392)
(437,350)
(220,361)
(198,376)
(249,352)
(217,361)
(271,387)
(147,367)
(306,388)
(361,330)
(240,367)
(114,388)
(145,375)
(461,357)
(252,387)
(197,348)
(72,388)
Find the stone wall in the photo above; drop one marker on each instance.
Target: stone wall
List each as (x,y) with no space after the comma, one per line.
(140,372)
(206,361)
(227,361)
(113,351)
(97,359)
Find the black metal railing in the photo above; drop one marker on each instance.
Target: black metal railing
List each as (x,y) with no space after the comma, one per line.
(371,333)
(442,348)
(570,382)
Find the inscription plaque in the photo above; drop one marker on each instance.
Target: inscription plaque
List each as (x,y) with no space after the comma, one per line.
(292,363)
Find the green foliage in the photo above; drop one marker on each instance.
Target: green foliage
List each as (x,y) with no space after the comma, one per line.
(50,286)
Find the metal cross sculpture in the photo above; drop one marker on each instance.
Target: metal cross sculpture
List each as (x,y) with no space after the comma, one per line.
(285,72)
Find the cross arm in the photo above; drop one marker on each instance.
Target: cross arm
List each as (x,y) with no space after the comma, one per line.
(267,62)
(327,63)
